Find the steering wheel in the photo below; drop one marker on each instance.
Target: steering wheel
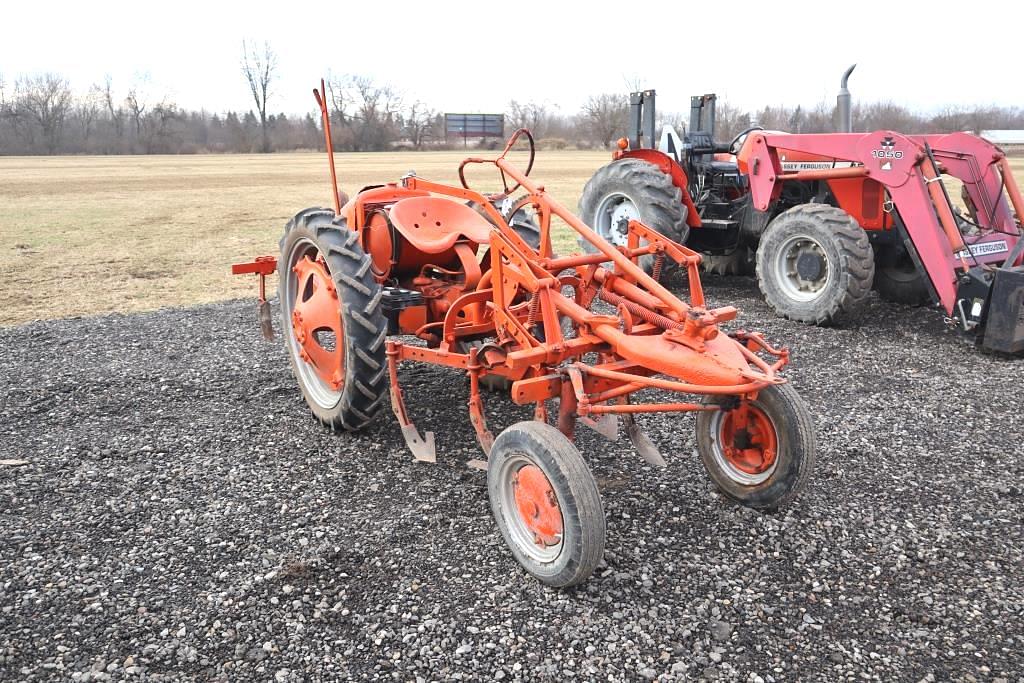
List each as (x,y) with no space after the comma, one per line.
(732,145)
(508,147)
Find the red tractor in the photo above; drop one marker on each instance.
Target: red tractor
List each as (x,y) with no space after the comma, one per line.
(415,271)
(827,217)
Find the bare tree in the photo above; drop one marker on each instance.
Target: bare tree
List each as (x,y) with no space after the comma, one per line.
(259,65)
(137,104)
(605,116)
(44,101)
(532,115)
(87,110)
(116,113)
(419,124)
(729,120)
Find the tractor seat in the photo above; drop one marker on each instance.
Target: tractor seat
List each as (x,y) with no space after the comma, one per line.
(434,224)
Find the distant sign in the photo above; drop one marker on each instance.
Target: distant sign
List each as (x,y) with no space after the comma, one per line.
(474,125)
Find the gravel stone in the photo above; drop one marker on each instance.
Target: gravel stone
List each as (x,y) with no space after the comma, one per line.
(180,516)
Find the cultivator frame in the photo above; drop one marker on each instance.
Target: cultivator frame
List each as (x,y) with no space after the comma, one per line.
(478,298)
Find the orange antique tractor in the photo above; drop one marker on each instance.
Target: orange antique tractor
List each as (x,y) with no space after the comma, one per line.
(829,216)
(416,271)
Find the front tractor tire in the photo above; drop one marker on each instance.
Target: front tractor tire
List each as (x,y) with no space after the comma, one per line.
(546,503)
(632,189)
(763,459)
(814,264)
(332,318)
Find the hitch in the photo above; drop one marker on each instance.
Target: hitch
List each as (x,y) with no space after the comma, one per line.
(262,266)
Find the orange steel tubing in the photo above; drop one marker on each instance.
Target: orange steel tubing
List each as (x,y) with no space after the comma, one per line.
(329,143)
(681,387)
(560,264)
(613,254)
(932,182)
(627,290)
(651,408)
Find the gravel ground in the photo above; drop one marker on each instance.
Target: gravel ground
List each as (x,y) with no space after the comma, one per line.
(182,517)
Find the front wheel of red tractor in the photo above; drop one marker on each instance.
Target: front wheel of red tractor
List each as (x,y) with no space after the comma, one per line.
(333,324)
(546,503)
(759,453)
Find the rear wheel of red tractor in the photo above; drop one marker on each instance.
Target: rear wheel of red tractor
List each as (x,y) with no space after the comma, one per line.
(632,189)
(546,503)
(759,453)
(332,320)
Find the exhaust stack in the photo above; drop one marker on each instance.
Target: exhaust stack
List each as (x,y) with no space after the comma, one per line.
(843,103)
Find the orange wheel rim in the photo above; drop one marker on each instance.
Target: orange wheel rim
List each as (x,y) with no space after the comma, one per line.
(749,440)
(316,322)
(537,506)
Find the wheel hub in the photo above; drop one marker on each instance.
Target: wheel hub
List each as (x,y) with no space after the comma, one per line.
(809,265)
(748,438)
(537,506)
(803,268)
(316,321)
(614,213)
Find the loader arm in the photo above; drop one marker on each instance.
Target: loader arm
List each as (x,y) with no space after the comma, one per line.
(910,169)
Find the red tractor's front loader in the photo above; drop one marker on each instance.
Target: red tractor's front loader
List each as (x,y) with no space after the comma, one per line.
(972,265)
(827,217)
(417,271)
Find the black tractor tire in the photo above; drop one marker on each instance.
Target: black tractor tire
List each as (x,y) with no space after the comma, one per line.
(840,264)
(656,200)
(739,261)
(520,218)
(363,325)
(794,461)
(581,546)
(897,278)
(523,220)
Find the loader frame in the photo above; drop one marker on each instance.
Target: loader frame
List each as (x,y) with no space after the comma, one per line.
(910,169)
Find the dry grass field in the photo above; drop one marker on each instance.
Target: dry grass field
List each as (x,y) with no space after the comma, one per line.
(85,235)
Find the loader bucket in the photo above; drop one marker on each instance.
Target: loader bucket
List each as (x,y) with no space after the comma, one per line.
(1004,322)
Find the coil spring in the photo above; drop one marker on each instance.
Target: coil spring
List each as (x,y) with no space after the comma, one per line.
(659,262)
(531,317)
(639,311)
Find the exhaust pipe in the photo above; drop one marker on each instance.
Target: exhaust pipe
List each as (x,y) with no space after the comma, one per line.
(843,103)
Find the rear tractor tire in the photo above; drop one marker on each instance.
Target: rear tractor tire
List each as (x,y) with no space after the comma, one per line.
(332,320)
(546,503)
(897,278)
(814,264)
(631,189)
(767,462)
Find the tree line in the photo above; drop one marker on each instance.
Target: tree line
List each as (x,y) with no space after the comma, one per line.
(42,114)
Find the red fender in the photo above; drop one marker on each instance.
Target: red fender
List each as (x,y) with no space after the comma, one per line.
(671,167)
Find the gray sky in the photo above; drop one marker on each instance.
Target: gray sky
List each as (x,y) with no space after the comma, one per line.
(476,56)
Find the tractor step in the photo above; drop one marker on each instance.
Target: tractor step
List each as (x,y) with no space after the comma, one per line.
(394,300)
(718,223)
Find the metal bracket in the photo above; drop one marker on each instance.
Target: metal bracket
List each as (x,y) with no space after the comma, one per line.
(422,447)
(607,425)
(476,406)
(641,442)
